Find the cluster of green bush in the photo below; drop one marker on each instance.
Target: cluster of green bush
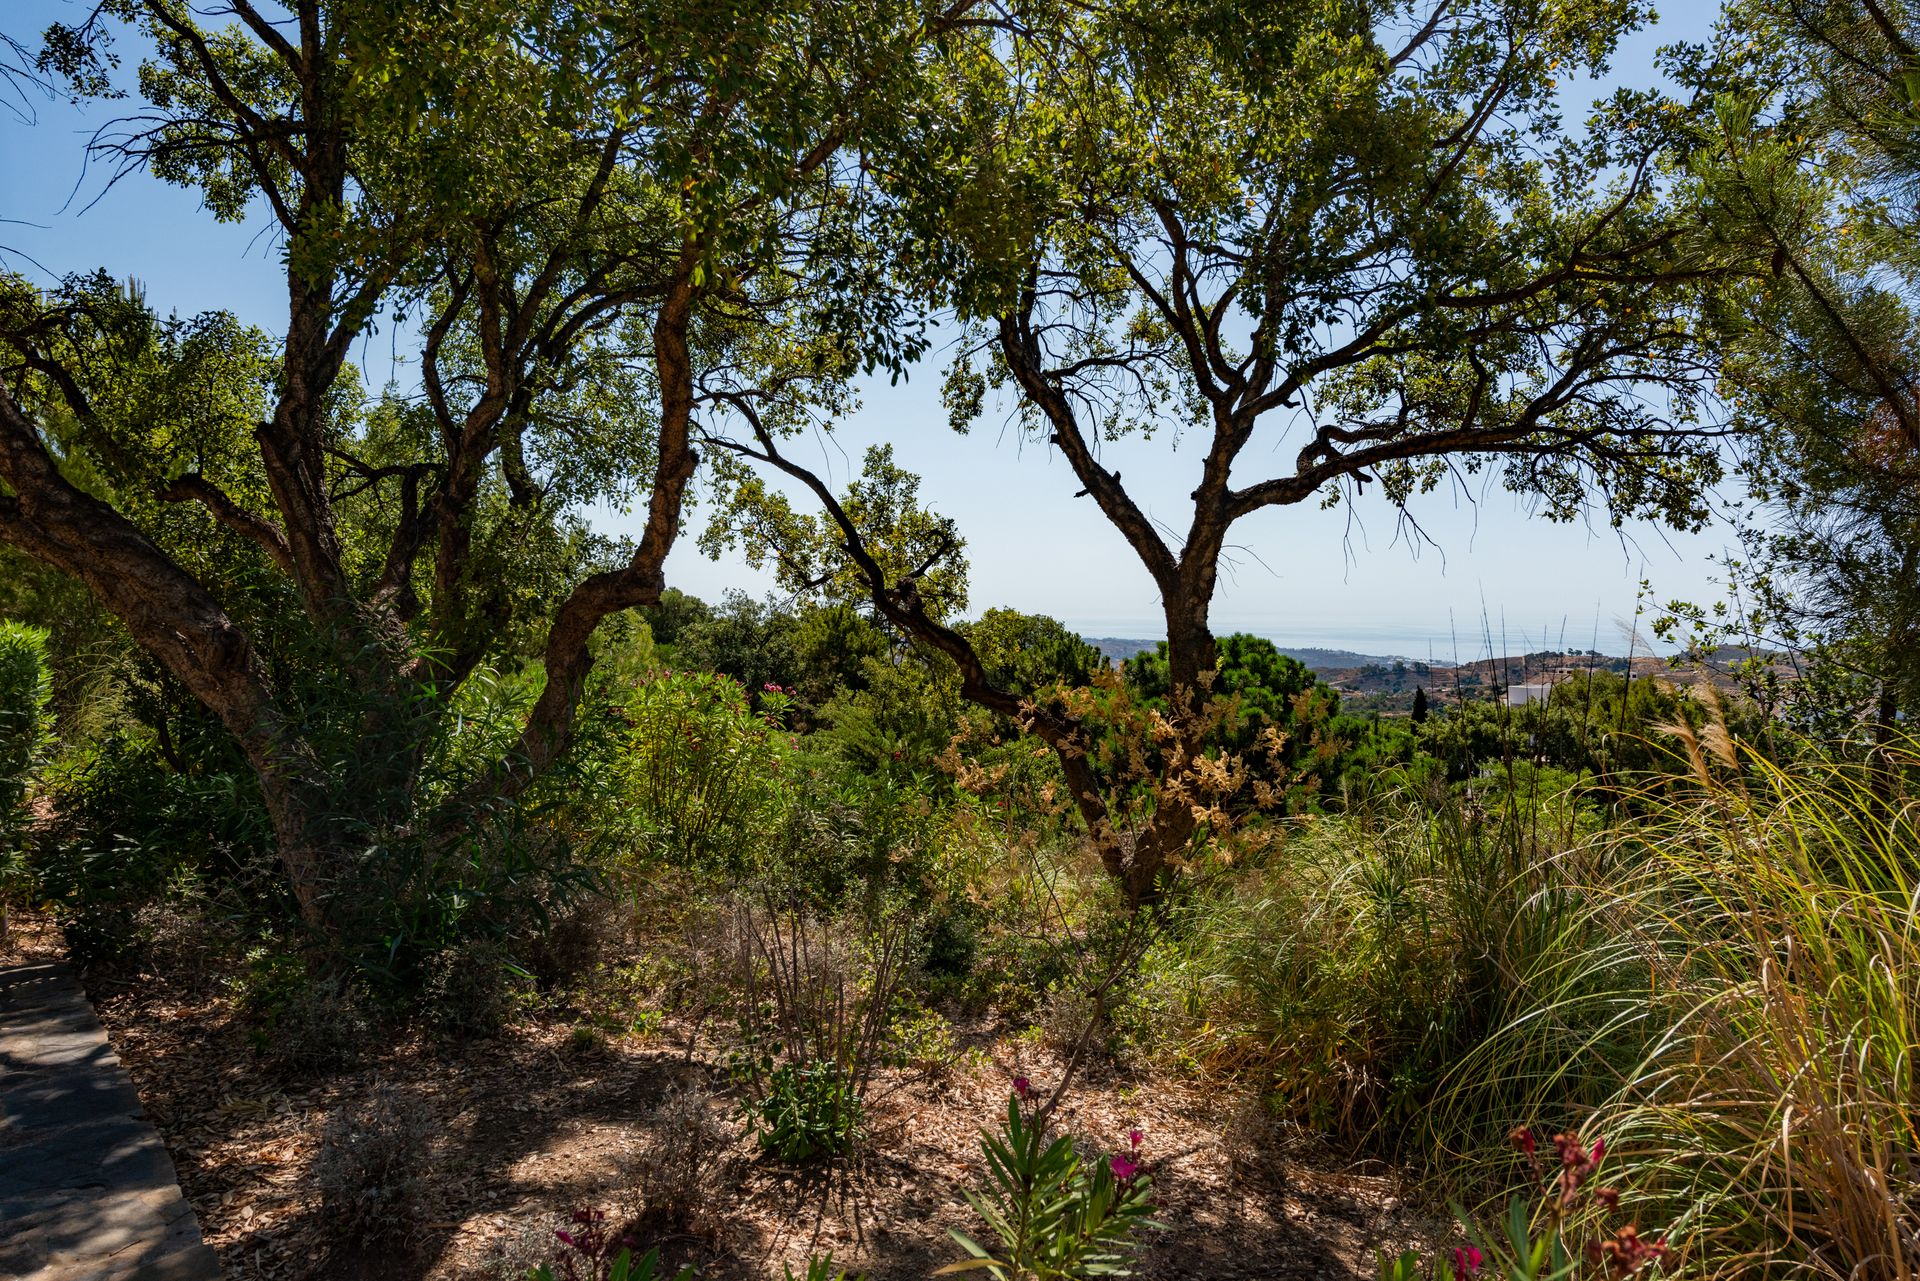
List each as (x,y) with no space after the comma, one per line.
(732,739)
(744,744)
(1611,908)
(25,689)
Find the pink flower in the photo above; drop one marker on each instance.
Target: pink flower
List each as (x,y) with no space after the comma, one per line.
(1466,1262)
(1133,1139)
(1023,1087)
(1124,1167)
(1625,1253)
(1576,1163)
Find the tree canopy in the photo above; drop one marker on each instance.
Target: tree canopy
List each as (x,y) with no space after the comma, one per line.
(1803,168)
(1358,238)
(591,224)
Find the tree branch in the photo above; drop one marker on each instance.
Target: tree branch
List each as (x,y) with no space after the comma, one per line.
(200,490)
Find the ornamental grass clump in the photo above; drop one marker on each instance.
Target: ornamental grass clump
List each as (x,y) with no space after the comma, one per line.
(1409,979)
(1758,937)
(1778,1109)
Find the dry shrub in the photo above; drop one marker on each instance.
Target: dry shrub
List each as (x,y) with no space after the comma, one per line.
(471,988)
(320,1026)
(578,938)
(1072,1022)
(709,971)
(511,1257)
(373,1155)
(675,1177)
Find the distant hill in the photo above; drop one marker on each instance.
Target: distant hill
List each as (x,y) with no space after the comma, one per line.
(1541,665)
(1383,684)
(1118,648)
(1384,688)
(1340,660)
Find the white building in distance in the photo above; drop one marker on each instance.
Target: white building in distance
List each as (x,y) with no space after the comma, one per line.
(1521,695)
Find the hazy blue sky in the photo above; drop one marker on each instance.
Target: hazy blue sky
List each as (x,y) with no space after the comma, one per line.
(1302,575)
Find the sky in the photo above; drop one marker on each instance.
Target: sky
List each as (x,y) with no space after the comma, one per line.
(1493,574)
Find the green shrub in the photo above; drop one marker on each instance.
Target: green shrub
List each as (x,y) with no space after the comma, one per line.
(700,776)
(422,899)
(1026,900)
(437,868)
(806,1110)
(952,934)
(895,725)
(923,1040)
(754,642)
(1028,653)
(129,828)
(834,642)
(25,689)
(145,810)
(848,837)
(25,731)
(413,903)
(621,1265)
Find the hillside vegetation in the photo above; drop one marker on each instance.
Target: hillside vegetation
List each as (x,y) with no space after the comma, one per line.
(467,900)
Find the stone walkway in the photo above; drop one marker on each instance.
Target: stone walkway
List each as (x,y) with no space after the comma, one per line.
(87,1190)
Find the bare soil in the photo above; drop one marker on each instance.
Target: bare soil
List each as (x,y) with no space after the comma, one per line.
(527,1129)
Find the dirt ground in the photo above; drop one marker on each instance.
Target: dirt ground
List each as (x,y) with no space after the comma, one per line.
(526,1128)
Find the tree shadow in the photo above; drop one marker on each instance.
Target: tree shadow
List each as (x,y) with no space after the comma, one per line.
(525,1132)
